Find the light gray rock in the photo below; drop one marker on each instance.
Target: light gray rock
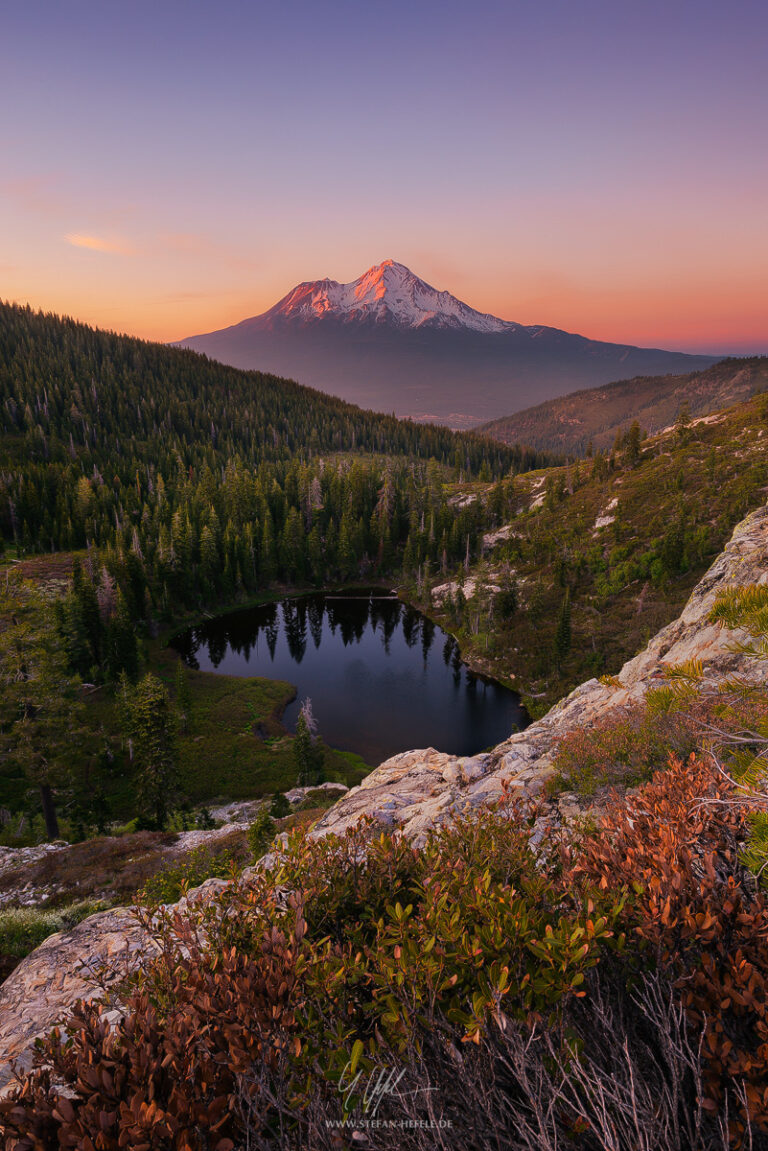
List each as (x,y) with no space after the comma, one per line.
(83,963)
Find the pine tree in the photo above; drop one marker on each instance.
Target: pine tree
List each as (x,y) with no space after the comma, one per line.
(683,425)
(40,706)
(122,649)
(307,749)
(279,807)
(149,729)
(634,438)
(563,633)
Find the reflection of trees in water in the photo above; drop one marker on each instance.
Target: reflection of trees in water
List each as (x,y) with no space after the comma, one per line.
(390,617)
(410,627)
(472,704)
(350,616)
(315,616)
(427,636)
(295,626)
(376,615)
(187,645)
(271,628)
(218,642)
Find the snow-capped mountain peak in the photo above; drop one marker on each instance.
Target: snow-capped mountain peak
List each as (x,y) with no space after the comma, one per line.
(387,293)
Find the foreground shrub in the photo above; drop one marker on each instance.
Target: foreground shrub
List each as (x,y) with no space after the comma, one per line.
(176,877)
(492,987)
(676,845)
(623,751)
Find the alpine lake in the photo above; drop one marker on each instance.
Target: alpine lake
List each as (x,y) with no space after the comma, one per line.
(382,678)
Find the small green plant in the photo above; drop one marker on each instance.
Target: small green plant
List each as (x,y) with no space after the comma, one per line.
(22,929)
(261,833)
(168,885)
(279,807)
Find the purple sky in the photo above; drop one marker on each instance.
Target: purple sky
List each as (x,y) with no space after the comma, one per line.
(169,168)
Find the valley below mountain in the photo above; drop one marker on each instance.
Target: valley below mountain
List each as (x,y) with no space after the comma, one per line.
(223,914)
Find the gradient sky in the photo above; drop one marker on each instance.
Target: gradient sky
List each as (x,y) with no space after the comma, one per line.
(168,168)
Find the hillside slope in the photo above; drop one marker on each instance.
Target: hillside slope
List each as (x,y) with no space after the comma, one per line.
(420,789)
(595,415)
(414,791)
(211,479)
(593,558)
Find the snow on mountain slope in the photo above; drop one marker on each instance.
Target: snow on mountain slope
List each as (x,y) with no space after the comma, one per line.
(386,293)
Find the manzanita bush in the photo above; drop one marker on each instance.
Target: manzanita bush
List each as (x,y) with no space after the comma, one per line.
(475,966)
(677,847)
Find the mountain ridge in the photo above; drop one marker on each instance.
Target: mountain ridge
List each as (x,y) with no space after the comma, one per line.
(391,342)
(568,424)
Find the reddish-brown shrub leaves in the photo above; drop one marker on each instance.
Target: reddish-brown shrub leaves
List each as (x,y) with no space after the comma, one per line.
(675,844)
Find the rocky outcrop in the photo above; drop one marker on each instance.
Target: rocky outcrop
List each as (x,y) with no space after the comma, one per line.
(90,961)
(83,963)
(413,792)
(419,789)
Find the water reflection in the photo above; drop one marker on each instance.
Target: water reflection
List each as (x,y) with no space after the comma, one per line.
(382,677)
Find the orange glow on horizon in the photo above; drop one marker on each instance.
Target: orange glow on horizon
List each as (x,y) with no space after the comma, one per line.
(685,313)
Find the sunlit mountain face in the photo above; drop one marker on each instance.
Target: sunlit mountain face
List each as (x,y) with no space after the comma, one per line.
(388,293)
(391,341)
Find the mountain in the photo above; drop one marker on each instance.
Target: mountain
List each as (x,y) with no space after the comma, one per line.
(390,341)
(568,424)
(388,293)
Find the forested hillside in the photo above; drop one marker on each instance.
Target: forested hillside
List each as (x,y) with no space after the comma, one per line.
(585,562)
(199,481)
(163,483)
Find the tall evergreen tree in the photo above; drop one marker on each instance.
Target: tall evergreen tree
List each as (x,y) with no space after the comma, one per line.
(307,749)
(563,632)
(122,649)
(40,706)
(150,731)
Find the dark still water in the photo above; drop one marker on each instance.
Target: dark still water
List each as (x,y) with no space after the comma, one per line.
(382,678)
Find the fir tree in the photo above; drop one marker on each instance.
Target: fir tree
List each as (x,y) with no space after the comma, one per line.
(307,749)
(122,649)
(279,807)
(563,633)
(149,729)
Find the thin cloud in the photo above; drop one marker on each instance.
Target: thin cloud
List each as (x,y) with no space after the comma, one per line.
(96,244)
